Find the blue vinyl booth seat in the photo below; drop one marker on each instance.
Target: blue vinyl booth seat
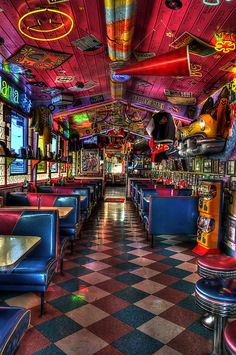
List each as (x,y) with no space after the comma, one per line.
(36,271)
(144,205)
(69,226)
(85,207)
(172,215)
(14,322)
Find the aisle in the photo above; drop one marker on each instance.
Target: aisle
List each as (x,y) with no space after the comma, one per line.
(120,296)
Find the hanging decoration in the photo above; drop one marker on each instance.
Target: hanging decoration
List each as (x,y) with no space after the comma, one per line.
(48,24)
(211,3)
(38,58)
(174,63)
(225,42)
(196,45)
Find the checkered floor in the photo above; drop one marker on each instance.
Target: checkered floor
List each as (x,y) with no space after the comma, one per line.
(118,295)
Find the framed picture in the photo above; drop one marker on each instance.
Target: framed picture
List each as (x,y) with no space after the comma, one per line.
(190,164)
(207,166)
(90,161)
(231,167)
(221,167)
(215,166)
(197,165)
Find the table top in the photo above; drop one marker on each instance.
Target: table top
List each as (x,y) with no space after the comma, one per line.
(13,248)
(63,211)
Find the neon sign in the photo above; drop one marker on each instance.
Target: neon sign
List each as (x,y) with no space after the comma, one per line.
(225,42)
(8,92)
(11,94)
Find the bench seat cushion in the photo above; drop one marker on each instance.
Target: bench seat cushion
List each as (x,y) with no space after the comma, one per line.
(14,322)
(31,271)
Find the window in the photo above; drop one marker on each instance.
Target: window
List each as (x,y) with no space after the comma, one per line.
(18,141)
(54,151)
(42,165)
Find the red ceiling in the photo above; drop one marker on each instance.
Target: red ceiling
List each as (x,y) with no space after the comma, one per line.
(156,27)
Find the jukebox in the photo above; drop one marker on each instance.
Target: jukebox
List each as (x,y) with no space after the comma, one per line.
(209,221)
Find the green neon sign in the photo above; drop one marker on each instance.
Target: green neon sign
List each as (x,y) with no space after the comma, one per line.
(8,92)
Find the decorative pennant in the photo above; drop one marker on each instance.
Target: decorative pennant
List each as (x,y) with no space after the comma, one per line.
(139,55)
(88,43)
(38,58)
(64,79)
(177,100)
(196,45)
(84,86)
(9,160)
(34,163)
(177,93)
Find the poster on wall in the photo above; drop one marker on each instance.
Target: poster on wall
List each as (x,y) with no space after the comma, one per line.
(90,161)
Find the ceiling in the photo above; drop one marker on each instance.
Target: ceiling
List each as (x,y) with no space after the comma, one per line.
(155,28)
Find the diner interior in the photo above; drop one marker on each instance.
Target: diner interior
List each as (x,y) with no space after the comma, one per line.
(117,177)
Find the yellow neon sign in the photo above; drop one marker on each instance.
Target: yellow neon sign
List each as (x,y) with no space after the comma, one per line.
(45,31)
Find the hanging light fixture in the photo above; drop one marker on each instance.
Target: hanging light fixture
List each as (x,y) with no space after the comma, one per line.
(174,4)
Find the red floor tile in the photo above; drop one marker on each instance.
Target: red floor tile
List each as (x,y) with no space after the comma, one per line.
(181,316)
(32,341)
(112,272)
(189,343)
(109,350)
(50,312)
(111,304)
(164,279)
(110,329)
(171,295)
(111,286)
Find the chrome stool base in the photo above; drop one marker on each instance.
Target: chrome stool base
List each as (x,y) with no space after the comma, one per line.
(208,321)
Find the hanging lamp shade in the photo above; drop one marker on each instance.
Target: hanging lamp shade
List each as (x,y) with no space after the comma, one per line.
(174,63)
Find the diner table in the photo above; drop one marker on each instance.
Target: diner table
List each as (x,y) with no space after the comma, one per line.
(62,211)
(14,248)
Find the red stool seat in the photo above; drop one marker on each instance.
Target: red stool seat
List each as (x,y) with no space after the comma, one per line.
(230,336)
(218,262)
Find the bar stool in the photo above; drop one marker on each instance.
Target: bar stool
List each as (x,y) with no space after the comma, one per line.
(216,267)
(230,338)
(219,301)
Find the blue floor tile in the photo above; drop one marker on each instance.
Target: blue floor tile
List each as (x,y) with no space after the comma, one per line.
(129,278)
(198,328)
(72,285)
(133,315)
(136,342)
(79,271)
(127,266)
(50,350)
(125,248)
(173,262)
(165,252)
(184,286)
(177,272)
(82,260)
(131,294)
(190,304)
(127,256)
(68,302)
(58,328)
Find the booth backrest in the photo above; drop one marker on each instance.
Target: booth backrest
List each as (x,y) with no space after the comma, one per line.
(173,215)
(48,200)
(83,191)
(41,223)
(145,193)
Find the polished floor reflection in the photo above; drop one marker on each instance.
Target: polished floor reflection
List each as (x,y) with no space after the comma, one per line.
(118,295)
